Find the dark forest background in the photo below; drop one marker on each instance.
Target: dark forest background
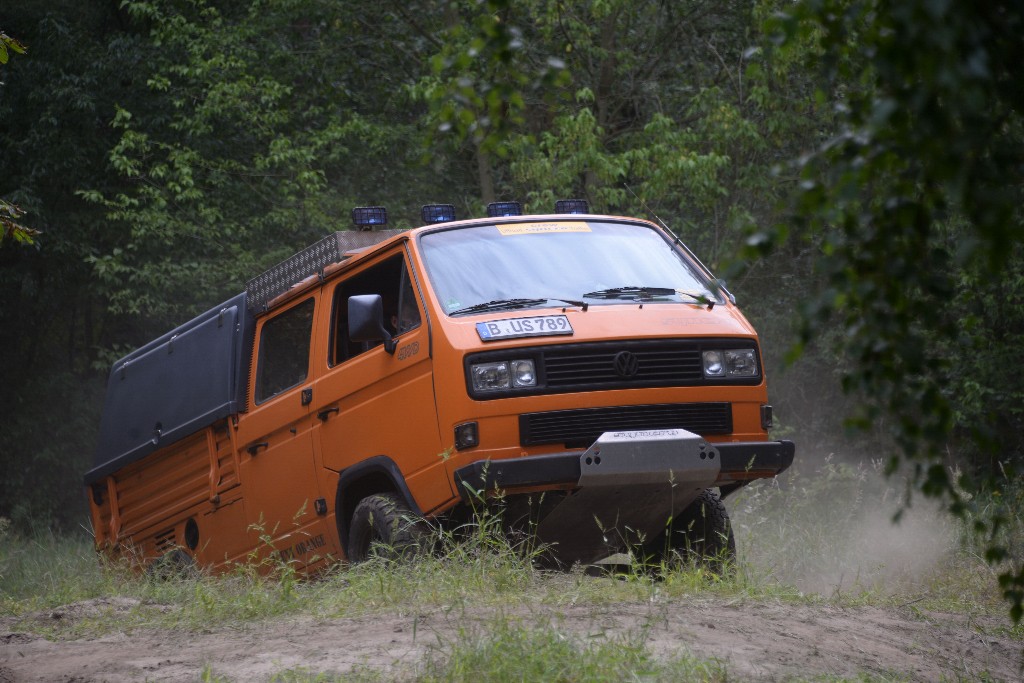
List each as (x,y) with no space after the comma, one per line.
(854,169)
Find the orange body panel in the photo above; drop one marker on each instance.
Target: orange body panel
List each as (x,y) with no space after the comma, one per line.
(265,482)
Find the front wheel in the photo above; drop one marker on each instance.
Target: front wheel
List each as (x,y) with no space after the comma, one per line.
(384,526)
(701,534)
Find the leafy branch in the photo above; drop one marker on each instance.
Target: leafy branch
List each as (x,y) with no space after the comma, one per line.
(12,229)
(8,45)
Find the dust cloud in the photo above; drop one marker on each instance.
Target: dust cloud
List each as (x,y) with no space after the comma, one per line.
(831,527)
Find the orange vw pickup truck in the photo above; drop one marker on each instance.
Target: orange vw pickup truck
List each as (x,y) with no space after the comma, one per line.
(587,368)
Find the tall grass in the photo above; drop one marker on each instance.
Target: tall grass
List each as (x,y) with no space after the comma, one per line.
(46,569)
(509,650)
(821,533)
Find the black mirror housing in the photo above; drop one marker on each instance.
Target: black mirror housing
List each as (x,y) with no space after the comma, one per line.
(366,320)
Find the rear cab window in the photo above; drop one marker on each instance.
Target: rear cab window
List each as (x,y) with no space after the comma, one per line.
(284,351)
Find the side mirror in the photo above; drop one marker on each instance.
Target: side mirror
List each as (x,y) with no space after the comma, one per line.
(366,321)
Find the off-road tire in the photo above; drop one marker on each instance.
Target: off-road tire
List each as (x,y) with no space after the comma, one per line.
(384,526)
(176,564)
(702,534)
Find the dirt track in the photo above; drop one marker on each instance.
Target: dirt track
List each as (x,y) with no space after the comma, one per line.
(754,640)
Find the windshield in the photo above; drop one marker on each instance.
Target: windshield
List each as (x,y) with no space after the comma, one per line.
(526,265)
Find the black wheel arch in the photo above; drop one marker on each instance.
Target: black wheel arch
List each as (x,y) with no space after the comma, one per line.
(378,474)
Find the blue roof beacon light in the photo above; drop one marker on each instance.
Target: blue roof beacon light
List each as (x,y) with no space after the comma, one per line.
(572,206)
(367,217)
(496,209)
(437,213)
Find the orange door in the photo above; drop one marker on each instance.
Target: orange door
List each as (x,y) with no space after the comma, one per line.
(373,403)
(276,441)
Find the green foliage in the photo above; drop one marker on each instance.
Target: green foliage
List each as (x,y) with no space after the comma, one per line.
(483,73)
(697,147)
(12,230)
(56,105)
(9,45)
(917,195)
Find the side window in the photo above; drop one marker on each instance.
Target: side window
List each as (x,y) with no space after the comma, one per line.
(284,351)
(408,311)
(391,280)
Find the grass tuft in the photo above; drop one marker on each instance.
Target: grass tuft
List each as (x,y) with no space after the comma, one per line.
(509,650)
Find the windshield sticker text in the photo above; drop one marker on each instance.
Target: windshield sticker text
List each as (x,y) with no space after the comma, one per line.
(540,228)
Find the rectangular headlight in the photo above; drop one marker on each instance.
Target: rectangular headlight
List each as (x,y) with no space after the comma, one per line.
(714,365)
(524,374)
(490,376)
(741,363)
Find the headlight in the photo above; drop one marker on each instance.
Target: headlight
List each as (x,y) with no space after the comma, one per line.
(490,376)
(730,364)
(523,373)
(741,363)
(713,364)
(503,375)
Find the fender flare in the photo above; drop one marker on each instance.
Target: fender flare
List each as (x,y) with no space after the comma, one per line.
(378,474)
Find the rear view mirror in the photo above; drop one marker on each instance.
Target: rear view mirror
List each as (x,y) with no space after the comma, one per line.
(366,320)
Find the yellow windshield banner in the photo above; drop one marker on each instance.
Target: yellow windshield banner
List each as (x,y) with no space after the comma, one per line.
(539,228)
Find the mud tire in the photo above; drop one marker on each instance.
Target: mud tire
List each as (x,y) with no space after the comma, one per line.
(384,526)
(701,535)
(176,564)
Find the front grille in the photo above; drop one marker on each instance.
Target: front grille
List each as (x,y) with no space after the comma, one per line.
(580,428)
(600,364)
(604,366)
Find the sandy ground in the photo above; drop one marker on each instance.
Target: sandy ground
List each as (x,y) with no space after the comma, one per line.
(757,641)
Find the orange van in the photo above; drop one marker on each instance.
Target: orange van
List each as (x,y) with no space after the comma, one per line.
(588,368)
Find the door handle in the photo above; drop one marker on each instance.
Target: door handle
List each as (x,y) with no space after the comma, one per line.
(326,413)
(255,448)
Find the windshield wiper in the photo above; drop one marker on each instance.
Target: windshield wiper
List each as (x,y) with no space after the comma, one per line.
(508,304)
(572,302)
(499,305)
(631,292)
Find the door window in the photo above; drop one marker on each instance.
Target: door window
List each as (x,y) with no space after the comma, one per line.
(284,351)
(391,280)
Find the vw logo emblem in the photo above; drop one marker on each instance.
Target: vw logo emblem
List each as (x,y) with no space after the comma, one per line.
(626,364)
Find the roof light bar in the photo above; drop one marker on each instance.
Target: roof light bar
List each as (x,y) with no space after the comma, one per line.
(572,206)
(496,209)
(366,217)
(437,213)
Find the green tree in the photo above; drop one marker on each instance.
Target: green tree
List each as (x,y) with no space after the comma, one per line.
(626,104)
(56,103)
(914,211)
(264,123)
(13,231)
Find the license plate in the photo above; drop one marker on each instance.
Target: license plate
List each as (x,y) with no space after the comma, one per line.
(539,326)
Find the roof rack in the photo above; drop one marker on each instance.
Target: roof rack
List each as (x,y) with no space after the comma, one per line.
(312,260)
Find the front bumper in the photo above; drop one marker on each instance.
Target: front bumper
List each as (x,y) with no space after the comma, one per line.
(738,464)
(627,487)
